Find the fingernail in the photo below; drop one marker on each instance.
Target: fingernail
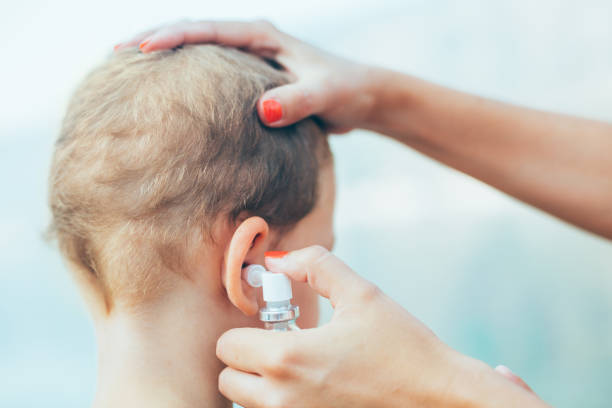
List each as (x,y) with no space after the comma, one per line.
(143,44)
(275,260)
(116,47)
(273,111)
(275,254)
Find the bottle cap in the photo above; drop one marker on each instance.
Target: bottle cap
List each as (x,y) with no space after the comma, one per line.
(276,287)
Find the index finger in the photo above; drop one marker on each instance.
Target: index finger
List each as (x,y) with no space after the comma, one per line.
(323,271)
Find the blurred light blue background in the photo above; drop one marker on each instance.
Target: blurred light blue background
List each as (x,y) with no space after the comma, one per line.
(492,277)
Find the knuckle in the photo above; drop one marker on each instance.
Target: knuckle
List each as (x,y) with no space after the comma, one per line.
(369,292)
(264,37)
(317,252)
(281,363)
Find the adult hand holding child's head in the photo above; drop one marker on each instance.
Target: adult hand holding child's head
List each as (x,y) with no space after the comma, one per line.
(334,89)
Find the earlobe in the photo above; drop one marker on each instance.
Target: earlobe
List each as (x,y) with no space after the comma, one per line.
(248,243)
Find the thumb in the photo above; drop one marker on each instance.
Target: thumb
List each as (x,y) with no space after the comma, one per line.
(289,103)
(324,272)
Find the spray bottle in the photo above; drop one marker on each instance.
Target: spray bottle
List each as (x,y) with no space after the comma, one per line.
(278,314)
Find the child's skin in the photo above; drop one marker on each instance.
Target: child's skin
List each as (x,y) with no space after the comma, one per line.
(163,354)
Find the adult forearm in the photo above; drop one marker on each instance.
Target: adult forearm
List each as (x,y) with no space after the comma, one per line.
(558,163)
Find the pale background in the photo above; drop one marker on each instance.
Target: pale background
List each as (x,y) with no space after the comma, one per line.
(492,277)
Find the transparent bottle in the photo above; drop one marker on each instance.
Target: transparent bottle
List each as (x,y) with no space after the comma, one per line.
(278,314)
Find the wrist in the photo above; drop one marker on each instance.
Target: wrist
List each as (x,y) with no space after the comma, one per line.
(394,100)
(359,94)
(376,81)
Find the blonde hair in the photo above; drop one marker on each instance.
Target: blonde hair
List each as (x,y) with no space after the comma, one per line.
(155,147)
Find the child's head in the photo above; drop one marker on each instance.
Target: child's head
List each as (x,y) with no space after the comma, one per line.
(162,168)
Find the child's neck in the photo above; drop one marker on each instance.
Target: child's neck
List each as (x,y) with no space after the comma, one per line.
(162,357)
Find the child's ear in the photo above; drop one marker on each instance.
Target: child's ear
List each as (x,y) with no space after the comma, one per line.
(247,246)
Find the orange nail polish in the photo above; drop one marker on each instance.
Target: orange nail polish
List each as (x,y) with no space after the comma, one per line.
(143,44)
(117,46)
(273,111)
(275,254)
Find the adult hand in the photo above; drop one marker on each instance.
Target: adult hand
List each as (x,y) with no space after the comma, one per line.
(338,91)
(373,353)
(564,161)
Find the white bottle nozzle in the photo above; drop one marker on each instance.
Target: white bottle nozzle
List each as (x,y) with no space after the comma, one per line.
(276,286)
(252,274)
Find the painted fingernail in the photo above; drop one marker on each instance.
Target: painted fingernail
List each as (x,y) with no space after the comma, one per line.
(273,111)
(275,254)
(116,47)
(143,44)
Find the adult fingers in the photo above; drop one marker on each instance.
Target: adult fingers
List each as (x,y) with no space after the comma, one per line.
(506,372)
(325,273)
(290,103)
(259,37)
(253,350)
(240,387)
